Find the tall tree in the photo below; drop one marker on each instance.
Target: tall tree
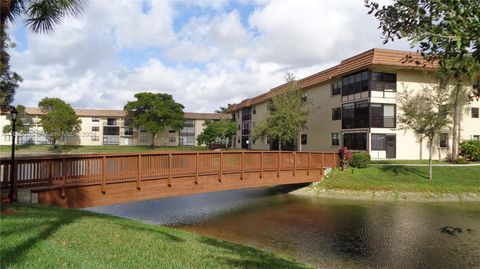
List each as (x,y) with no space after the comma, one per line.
(21,124)
(222,109)
(446,32)
(40,17)
(9,80)
(426,114)
(217,132)
(287,117)
(155,112)
(59,119)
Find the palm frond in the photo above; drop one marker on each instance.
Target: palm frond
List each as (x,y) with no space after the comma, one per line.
(42,15)
(12,10)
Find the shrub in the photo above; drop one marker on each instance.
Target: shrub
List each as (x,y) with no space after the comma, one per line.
(360,160)
(470,150)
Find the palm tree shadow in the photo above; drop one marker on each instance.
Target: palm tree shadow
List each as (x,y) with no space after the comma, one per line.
(404,170)
(13,255)
(250,257)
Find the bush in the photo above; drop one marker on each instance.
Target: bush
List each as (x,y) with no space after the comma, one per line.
(360,160)
(470,150)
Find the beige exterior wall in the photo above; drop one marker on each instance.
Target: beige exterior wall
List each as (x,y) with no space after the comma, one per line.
(320,125)
(89,135)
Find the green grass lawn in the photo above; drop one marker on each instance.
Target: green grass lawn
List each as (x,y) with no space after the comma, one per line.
(405,179)
(48,237)
(411,162)
(47,149)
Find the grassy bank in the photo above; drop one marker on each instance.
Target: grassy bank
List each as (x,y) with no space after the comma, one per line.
(41,237)
(405,179)
(47,149)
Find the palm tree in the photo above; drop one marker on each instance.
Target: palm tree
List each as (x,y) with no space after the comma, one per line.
(40,17)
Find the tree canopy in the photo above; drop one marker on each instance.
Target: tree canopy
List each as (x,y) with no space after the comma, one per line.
(425,113)
(287,117)
(59,119)
(21,122)
(155,112)
(444,31)
(217,132)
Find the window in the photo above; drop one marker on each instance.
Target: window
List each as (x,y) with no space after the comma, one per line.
(171,131)
(304,139)
(382,116)
(127,122)
(172,139)
(476,137)
(189,123)
(378,142)
(355,115)
(384,82)
(143,139)
(246,128)
(476,88)
(336,113)
(475,112)
(128,131)
(95,138)
(112,121)
(355,141)
(111,130)
(336,88)
(304,97)
(143,130)
(335,139)
(95,119)
(443,140)
(238,127)
(246,113)
(95,128)
(355,83)
(254,110)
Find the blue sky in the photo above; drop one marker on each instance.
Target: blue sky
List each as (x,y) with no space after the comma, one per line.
(205,53)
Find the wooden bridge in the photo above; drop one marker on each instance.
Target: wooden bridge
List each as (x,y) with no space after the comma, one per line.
(102,179)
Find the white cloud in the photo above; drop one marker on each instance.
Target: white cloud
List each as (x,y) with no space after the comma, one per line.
(212,58)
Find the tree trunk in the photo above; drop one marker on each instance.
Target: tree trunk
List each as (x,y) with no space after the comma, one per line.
(430,151)
(299,142)
(54,143)
(454,133)
(421,148)
(279,143)
(153,140)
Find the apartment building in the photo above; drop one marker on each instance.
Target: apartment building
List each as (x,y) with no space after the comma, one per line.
(111,127)
(354,104)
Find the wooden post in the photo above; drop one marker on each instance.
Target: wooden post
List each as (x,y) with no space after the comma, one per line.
(279,159)
(321,164)
(169,182)
(308,164)
(64,175)
(50,173)
(261,164)
(294,163)
(104,173)
(242,165)
(196,167)
(139,170)
(221,167)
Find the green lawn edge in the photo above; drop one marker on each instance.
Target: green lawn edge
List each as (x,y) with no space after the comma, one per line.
(401,178)
(37,236)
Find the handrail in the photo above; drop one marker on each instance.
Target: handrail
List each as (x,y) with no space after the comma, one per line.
(62,171)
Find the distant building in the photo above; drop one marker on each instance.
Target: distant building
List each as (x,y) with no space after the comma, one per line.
(354,105)
(111,127)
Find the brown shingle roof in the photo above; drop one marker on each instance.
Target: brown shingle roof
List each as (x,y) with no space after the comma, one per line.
(384,57)
(81,112)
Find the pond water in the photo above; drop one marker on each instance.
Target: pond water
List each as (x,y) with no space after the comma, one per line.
(327,233)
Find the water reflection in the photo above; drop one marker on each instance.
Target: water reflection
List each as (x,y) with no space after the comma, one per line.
(326,233)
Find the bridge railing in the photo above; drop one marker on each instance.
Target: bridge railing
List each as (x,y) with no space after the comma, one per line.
(96,169)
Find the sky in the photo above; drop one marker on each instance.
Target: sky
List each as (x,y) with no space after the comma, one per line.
(205,53)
